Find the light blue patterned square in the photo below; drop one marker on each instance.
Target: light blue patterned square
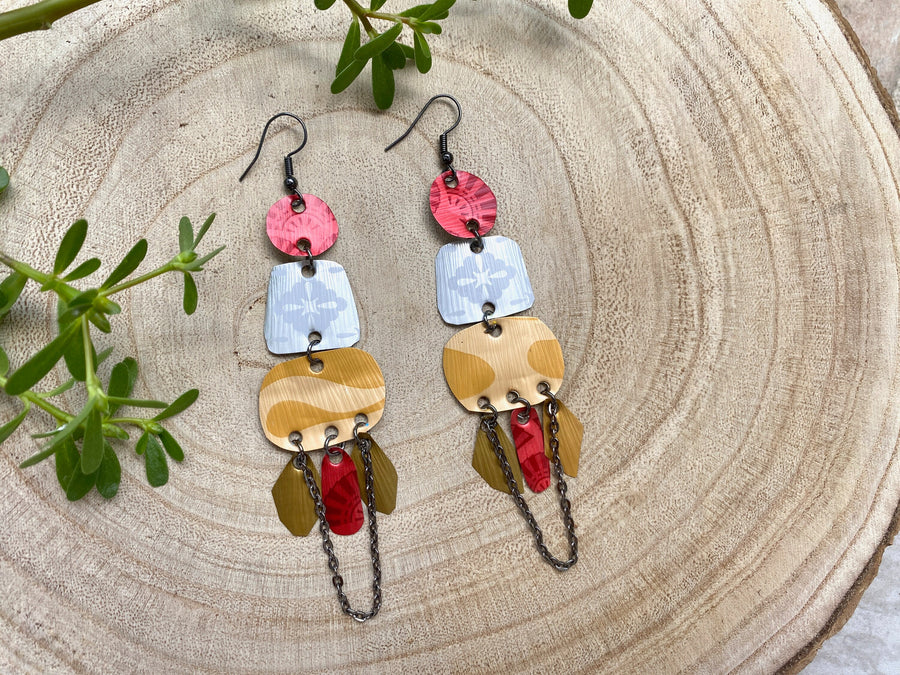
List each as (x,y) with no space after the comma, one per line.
(299,305)
(467,280)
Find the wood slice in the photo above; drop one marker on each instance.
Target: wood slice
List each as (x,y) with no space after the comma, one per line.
(706,196)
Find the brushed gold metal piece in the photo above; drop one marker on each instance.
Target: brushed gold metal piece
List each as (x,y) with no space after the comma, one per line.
(294,398)
(294,504)
(571,432)
(526,353)
(384,473)
(485,462)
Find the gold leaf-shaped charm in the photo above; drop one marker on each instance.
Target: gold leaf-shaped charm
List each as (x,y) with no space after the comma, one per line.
(485,461)
(570,434)
(384,473)
(293,502)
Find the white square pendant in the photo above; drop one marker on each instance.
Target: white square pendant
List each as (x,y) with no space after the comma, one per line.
(298,305)
(467,280)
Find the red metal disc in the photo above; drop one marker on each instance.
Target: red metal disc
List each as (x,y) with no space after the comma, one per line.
(529,440)
(340,494)
(470,200)
(316,224)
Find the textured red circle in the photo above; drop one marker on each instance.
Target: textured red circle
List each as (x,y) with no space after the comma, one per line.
(454,207)
(316,224)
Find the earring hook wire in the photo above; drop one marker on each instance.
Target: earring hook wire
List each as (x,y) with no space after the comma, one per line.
(443,137)
(288,164)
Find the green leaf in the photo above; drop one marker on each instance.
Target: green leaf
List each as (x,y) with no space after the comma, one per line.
(430,27)
(209,221)
(141,446)
(436,9)
(89,266)
(324,4)
(137,402)
(379,43)
(190,295)
(71,244)
(171,446)
(80,484)
(60,436)
(408,51)
(207,258)
(11,288)
(394,57)
(92,446)
(110,473)
(415,11)
(185,234)
(121,381)
(4,179)
(33,370)
(74,356)
(4,362)
(100,321)
(580,8)
(181,403)
(155,463)
(376,5)
(7,429)
(115,431)
(351,44)
(67,458)
(129,264)
(345,78)
(422,53)
(382,83)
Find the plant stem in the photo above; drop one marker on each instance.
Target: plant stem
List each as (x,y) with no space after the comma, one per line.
(61,288)
(168,267)
(39,16)
(361,14)
(40,402)
(364,15)
(91,381)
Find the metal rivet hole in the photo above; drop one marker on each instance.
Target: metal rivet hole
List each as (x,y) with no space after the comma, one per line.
(297,206)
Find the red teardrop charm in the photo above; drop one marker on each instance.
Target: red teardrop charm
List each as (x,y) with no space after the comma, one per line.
(470,200)
(529,440)
(340,494)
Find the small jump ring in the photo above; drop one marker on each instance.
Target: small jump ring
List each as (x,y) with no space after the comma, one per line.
(524,415)
(328,448)
(309,352)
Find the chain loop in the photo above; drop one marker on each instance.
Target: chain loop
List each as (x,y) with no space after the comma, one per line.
(336,579)
(489,424)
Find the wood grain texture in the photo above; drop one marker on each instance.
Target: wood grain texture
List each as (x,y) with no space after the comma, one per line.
(706,197)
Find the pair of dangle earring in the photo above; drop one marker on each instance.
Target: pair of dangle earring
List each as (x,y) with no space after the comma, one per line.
(323,399)
(503,363)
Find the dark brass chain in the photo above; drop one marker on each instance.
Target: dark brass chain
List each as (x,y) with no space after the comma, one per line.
(328,546)
(489,424)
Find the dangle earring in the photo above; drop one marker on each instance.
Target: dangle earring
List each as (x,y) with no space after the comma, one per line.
(324,398)
(503,363)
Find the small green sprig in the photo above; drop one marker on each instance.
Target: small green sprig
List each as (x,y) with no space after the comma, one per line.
(382,49)
(81,445)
